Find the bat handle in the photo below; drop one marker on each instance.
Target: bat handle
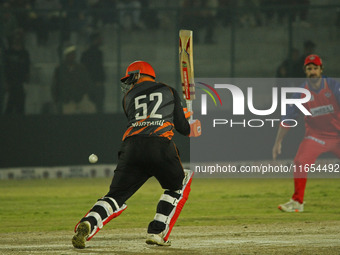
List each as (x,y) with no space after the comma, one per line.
(189,106)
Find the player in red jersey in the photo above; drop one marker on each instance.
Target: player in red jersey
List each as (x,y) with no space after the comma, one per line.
(153,111)
(322,128)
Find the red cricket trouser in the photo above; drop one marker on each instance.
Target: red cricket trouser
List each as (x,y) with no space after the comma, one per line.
(309,150)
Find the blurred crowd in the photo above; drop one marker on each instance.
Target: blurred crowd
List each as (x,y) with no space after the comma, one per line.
(79,84)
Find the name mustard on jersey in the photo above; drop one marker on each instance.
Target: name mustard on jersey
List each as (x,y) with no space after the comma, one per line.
(148,123)
(322,110)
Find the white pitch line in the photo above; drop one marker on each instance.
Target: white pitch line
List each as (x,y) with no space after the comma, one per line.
(24,246)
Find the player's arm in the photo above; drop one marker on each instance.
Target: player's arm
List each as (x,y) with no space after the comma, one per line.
(180,122)
(292,112)
(335,87)
(281,133)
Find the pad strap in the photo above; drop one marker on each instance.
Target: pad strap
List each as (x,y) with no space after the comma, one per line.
(169,199)
(97,217)
(162,218)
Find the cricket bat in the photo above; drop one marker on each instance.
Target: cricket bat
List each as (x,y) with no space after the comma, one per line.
(187,76)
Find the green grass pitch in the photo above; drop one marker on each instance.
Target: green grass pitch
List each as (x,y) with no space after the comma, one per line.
(58,204)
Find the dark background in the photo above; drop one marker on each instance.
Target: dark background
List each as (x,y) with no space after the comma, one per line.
(50,140)
(65,140)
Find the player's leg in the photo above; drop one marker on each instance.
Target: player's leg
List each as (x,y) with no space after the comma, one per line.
(124,185)
(309,150)
(126,181)
(168,210)
(104,210)
(176,183)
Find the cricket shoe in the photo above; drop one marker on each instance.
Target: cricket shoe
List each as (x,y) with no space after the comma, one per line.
(291,206)
(83,231)
(157,239)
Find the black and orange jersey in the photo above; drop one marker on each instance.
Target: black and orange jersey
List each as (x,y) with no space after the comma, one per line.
(154,109)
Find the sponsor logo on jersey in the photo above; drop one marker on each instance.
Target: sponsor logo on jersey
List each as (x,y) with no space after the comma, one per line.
(322,110)
(315,139)
(328,95)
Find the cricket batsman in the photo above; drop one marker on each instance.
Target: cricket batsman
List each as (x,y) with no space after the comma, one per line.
(322,128)
(153,111)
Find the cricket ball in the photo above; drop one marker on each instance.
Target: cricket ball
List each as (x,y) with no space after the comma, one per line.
(93,158)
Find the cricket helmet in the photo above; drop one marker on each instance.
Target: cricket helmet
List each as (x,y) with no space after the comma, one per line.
(313,59)
(140,67)
(133,72)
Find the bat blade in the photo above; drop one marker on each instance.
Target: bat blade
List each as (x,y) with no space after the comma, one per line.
(186,64)
(187,76)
